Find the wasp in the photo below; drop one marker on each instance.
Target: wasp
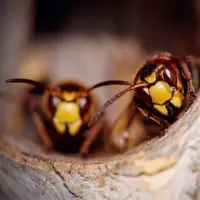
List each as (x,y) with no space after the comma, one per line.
(67,119)
(164,87)
(62,114)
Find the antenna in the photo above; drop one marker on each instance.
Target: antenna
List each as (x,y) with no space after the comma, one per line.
(109,82)
(34,83)
(95,118)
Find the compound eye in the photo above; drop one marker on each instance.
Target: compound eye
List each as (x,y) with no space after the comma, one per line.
(55,101)
(148,73)
(84,104)
(170,76)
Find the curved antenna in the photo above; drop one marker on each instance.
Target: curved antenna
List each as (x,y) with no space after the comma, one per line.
(95,118)
(53,90)
(28,81)
(109,82)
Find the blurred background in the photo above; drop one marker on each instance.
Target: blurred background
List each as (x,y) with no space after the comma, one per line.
(90,41)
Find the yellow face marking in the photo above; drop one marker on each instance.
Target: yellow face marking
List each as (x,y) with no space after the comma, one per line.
(151,78)
(177,99)
(67,113)
(60,127)
(161,74)
(160,92)
(139,81)
(161,109)
(55,93)
(74,127)
(69,96)
(179,83)
(160,66)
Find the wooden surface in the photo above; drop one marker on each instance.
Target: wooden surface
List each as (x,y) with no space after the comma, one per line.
(167,168)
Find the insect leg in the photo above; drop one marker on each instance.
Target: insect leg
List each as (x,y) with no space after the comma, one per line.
(191,95)
(148,113)
(93,132)
(40,126)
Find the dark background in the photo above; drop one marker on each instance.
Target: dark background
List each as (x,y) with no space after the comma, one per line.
(154,23)
(158,24)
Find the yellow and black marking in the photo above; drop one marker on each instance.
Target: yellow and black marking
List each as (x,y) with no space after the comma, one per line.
(151,78)
(162,109)
(69,96)
(161,93)
(67,114)
(69,109)
(164,97)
